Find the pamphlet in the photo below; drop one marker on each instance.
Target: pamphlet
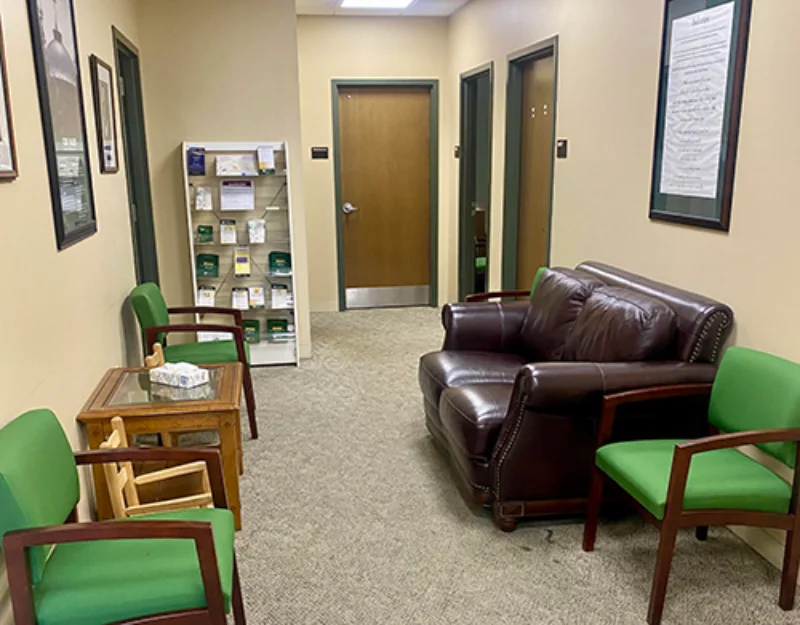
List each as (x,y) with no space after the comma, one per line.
(237,195)
(257,299)
(205,234)
(280,263)
(227,231)
(236,165)
(257,230)
(196,161)
(240,298)
(266,160)
(203,200)
(252,330)
(242,262)
(207,266)
(206,296)
(281,297)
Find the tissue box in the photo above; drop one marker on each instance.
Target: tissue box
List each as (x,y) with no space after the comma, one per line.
(180,375)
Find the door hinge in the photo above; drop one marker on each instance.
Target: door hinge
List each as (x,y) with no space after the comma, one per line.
(122,88)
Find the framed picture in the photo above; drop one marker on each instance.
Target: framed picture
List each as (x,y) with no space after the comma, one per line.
(703,57)
(8,152)
(58,77)
(105,119)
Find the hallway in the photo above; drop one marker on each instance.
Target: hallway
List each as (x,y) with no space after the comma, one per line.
(351,515)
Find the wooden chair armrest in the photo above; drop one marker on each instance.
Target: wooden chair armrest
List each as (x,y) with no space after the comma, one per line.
(19,576)
(482,297)
(211,457)
(737,439)
(613,400)
(200,310)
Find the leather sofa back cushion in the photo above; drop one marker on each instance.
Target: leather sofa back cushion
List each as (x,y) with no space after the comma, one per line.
(555,305)
(621,325)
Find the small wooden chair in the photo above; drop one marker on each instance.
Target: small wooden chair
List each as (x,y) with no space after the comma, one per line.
(123,484)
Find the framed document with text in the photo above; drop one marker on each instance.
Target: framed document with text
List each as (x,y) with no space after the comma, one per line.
(703,56)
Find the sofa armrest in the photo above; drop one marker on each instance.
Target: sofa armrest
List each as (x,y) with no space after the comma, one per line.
(483,326)
(553,385)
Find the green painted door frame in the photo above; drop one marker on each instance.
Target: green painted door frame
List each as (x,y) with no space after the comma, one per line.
(433,87)
(137,169)
(472,178)
(516,66)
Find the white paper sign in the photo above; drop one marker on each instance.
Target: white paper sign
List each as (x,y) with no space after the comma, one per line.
(698,78)
(237,195)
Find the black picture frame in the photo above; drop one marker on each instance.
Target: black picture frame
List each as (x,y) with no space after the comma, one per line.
(58,79)
(693,208)
(104,115)
(9,169)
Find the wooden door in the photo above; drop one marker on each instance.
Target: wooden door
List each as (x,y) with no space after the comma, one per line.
(536,168)
(384,138)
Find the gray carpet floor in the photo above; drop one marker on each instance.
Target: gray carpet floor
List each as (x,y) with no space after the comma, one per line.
(351,515)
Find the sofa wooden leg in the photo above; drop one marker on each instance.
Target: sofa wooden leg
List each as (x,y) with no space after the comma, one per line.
(701,532)
(505,523)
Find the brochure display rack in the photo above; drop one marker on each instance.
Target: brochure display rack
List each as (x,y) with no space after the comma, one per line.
(240,240)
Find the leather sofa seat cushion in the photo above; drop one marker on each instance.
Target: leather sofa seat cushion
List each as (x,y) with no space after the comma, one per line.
(472,417)
(441,370)
(555,305)
(620,325)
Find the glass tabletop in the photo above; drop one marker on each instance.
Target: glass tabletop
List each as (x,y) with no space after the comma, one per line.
(136,388)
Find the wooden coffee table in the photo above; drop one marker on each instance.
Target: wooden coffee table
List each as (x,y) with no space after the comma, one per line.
(146,409)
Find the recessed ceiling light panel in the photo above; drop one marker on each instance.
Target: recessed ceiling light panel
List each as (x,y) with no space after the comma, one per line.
(376,4)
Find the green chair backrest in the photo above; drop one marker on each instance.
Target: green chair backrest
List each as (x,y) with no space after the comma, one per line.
(38,478)
(757,391)
(537,278)
(150,308)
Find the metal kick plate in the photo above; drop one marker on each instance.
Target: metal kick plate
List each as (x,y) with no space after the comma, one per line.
(387,297)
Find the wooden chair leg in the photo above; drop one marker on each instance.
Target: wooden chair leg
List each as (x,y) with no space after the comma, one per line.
(236,599)
(593,509)
(701,532)
(666,549)
(250,399)
(791,560)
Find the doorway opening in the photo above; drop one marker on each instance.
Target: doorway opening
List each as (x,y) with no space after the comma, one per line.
(129,86)
(475,180)
(386,141)
(530,154)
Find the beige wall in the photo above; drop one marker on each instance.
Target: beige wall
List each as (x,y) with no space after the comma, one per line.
(607,91)
(335,47)
(609,56)
(218,71)
(62,316)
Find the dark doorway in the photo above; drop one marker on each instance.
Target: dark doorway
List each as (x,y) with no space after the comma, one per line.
(129,84)
(530,154)
(475,184)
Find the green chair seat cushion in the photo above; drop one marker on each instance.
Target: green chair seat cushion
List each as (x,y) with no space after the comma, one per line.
(206,353)
(101,582)
(723,479)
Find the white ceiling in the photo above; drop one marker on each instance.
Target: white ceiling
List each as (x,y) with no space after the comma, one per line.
(419,7)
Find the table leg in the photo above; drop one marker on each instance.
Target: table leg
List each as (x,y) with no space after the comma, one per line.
(94,432)
(230,464)
(239,443)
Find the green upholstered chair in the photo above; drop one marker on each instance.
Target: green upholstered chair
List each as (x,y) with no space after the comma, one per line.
(179,567)
(755,400)
(154,320)
(482,297)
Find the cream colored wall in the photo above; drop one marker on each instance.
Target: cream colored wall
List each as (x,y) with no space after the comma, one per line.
(62,318)
(351,47)
(608,73)
(218,71)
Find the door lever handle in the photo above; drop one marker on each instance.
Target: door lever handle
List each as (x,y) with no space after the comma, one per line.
(349,208)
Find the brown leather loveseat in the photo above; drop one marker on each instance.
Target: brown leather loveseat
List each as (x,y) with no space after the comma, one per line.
(514,395)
